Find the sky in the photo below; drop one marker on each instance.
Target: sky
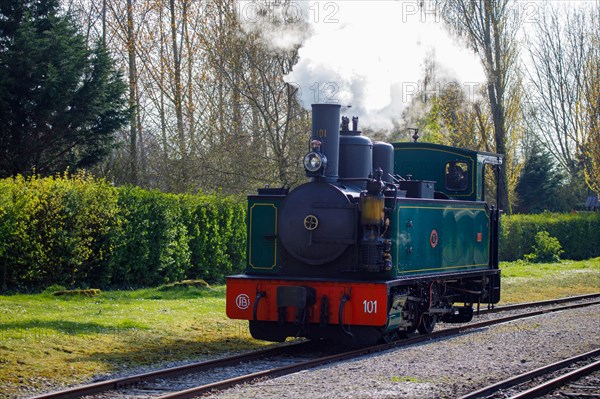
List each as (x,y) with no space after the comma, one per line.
(367,54)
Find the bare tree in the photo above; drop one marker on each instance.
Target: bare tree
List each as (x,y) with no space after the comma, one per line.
(490,28)
(559,50)
(266,125)
(275,137)
(591,105)
(211,108)
(133,103)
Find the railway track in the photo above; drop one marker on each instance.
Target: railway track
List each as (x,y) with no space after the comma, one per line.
(153,384)
(174,372)
(538,382)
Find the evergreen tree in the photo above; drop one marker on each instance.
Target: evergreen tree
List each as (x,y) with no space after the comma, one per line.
(539,185)
(61,103)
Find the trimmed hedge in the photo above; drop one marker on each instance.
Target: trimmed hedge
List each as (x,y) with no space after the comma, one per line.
(77,231)
(56,230)
(578,234)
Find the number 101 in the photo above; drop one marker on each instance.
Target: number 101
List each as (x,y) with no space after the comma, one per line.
(370,306)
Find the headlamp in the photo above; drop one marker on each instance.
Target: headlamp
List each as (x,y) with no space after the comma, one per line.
(314,162)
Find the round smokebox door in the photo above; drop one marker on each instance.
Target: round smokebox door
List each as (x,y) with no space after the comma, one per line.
(317,223)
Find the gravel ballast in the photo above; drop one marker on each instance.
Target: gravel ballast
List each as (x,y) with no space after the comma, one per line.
(443,368)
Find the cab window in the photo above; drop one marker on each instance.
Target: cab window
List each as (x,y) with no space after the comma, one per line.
(457,176)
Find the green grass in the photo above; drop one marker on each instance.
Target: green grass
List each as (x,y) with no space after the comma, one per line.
(47,340)
(523,282)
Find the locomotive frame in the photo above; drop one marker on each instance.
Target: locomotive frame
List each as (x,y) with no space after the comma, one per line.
(383,240)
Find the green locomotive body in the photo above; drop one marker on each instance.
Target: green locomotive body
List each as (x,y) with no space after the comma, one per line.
(395,240)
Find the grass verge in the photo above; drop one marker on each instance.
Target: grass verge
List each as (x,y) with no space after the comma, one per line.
(48,340)
(524,282)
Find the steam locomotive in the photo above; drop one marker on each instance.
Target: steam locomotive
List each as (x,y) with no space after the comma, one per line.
(383,240)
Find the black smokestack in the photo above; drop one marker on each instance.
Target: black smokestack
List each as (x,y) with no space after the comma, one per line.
(326,129)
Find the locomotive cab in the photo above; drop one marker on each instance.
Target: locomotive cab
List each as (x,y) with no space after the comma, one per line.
(458,173)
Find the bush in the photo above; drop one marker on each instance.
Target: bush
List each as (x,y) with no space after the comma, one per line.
(578,234)
(217,235)
(55,230)
(79,232)
(546,249)
(152,247)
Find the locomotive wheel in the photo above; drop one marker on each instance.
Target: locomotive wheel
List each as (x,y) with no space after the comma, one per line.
(427,324)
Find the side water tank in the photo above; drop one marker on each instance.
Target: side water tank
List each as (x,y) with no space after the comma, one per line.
(383,157)
(356,158)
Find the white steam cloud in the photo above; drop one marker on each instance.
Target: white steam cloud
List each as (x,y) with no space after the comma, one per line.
(367,54)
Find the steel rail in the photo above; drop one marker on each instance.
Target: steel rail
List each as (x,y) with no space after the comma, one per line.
(220,385)
(527,376)
(557,382)
(524,305)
